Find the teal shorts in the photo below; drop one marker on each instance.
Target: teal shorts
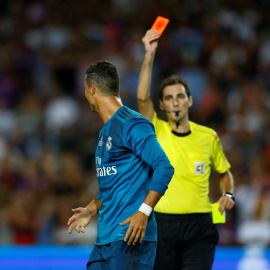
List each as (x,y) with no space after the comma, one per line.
(119,255)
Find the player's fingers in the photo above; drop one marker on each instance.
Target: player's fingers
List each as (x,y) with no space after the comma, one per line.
(74,210)
(71,228)
(132,236)
(71,220)
(142,236)
(82,229)
(78,228)
(128,233)
(125,222)
(137,237)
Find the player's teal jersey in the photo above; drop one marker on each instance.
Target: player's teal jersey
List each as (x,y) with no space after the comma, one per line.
(129,162)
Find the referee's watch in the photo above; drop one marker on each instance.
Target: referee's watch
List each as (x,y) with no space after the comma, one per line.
(230,195)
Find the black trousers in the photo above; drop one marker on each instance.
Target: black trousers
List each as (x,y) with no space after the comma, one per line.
(185,242)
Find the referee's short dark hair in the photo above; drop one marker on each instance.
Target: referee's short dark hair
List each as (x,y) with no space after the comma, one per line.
(105,76)
(172,80)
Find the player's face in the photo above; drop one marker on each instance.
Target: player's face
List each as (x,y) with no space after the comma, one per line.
(175,100)
(90,98)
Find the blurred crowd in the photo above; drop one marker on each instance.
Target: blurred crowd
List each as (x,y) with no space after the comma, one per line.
(48,133)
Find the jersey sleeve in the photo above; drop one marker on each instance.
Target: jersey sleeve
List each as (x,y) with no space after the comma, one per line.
(139,136)
(220,164)
(98,197)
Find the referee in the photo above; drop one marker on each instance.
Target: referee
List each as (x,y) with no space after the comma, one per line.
(187,236)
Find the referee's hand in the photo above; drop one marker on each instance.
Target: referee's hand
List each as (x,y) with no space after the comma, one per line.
(136,229)
(150,41)
(225,203)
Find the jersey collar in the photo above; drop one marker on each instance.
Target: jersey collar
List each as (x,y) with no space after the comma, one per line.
(181,134)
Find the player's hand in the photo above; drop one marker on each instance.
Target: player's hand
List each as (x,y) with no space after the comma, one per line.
(225,203)
(150,41)
(80,219)
(136,229)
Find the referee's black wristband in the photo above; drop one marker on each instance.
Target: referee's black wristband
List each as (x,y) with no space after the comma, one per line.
(230,195)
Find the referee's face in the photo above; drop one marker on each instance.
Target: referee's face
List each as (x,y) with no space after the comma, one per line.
(175,100)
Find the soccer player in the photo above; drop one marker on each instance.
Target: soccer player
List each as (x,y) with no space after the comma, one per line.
(133,172)
(187,236)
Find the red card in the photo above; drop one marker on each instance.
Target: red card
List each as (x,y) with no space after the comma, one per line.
(160,24)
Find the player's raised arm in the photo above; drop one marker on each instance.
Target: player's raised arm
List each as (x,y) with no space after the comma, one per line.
(150,41)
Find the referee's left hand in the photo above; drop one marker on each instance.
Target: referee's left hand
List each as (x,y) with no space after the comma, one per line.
(136,229)
(225,203)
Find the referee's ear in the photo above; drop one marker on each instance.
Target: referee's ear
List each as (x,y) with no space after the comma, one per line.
(190,101)
(161,105)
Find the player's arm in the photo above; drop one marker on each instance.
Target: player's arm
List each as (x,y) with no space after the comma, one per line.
(150,41)
(226,201)
(142,140)
(138,221)
(83,215)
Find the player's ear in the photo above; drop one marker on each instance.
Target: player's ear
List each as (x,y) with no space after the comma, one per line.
(93,89)
(87,89)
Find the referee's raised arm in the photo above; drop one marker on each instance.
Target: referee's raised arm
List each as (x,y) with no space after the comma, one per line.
(150,41)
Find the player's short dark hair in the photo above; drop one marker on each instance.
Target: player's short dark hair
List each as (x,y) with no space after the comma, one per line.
(172,80)
(105,76)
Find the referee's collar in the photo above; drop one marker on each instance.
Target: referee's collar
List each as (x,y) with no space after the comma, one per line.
(181,134)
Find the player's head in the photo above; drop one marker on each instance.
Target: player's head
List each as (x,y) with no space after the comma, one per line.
(175,96)
(103,77)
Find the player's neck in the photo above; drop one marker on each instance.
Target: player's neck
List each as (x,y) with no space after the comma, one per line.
(183,126)
(108,107)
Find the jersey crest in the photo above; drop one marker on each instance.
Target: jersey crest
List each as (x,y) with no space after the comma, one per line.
(109,144)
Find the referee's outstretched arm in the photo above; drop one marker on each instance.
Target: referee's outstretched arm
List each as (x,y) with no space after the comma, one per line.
(150,41)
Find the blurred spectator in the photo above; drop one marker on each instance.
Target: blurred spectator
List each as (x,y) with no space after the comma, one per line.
(254,212)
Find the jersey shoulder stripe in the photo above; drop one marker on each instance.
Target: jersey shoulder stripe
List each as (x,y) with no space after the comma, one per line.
(124,115)
(127,114)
